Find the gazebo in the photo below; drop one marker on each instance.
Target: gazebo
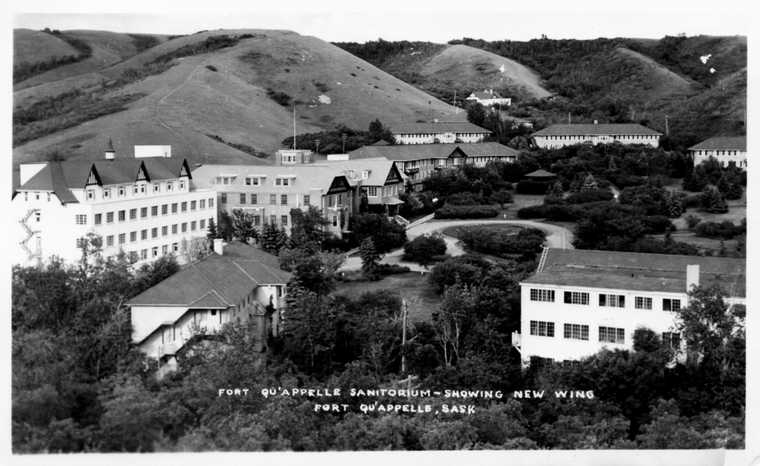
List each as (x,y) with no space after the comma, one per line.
(541,175)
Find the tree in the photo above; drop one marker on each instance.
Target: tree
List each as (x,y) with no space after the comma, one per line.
(377,132)
(308,229)
(211,233)
(273,238)
(711,200)
(195,249)
(476,114)
(451,321)
(224,229)
(370,259)
(386,234)
(242,225)
(424,249)
(555,194)
(589,183)
(501,197)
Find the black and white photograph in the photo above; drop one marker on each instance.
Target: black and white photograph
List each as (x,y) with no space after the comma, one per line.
(514,230)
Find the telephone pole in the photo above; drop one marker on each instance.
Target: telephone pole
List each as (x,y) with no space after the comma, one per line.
(569,118)
(404,312)
(294,126)
(667,129)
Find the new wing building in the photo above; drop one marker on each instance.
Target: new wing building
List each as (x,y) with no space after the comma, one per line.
(557,136)
(728,150)
(581,301)
(145,206)
(444,132)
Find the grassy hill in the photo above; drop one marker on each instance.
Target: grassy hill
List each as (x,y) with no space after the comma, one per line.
(441,69)
(209,94)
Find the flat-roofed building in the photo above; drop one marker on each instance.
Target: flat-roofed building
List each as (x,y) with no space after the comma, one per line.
(444,132)
(728,150)
(557,136)
(419,161)
(147,207)
(581,301)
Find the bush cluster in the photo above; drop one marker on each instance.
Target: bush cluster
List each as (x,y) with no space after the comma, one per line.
(424,249)
(467,211)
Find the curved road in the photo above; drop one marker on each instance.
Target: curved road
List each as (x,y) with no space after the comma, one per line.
(556,237)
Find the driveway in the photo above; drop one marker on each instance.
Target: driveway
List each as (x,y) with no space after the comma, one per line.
(556,237)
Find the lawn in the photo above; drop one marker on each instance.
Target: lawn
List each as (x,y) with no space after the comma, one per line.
(709,244)
(456,231)
(412,287)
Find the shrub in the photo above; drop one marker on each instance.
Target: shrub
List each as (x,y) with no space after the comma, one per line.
(391,269)
(423,249)
(527,242)
(465,199)
(465,269)
(466,211)
(386,235)
(557,212)
(657,223)
(279,97)
(692,221)
(724,230)
(589,196)
(211,68)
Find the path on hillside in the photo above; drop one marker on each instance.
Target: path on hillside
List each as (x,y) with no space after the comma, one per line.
(556,237)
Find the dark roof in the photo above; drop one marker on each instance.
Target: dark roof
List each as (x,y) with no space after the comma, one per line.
(484,95)
(637,271)
(540,173)
(61,177)
(738,143)
(216,281)
(438,127)
(404,152)
(600,129)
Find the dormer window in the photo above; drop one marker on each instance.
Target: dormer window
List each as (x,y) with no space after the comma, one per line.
(90,195)
(169,186)
(107,193)
(135,189)
(181,185)
(365,174)
(122,191)
(282,181)
(252,181)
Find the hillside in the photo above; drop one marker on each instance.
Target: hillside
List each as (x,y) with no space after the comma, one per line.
(192,91)
(441,69)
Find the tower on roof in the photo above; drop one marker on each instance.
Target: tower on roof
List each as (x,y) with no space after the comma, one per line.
(110,153)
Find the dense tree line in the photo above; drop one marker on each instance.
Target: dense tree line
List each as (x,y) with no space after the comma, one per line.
(341,139)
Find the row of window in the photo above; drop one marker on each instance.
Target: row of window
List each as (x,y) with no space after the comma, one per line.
(139,188)
(605,300)
(258,198)
(605,334)
(153,233)
(121,215)
(255,180)
(719,152)
(584,137)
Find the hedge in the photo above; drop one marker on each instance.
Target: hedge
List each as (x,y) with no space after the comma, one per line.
(467,211)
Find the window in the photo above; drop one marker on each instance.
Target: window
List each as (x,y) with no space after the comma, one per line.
(192,205)
(256,220)
(143,212)
(143,254)
(211,203)
(181,185)
(284,199)
(164,209)
(273,199)
(164,230)
(174,229)
(183,206)
(273,219)
(154,211)
(132,236)
(174,207)
(169,186)
(242,198)
(252,181)
(142,190)
(641,302)
(109,240)
(541,328)
(175,247)
(154,251)
(90,195)
(576,331)
(81,242)
(372,191)
(576,297)
(98,219)
(135,189)
(284,220)
(671,340)
(281,181)
(254,199)
(122,191)
(106,193)
(165,249)
(154,232)
(611,300)
(223,198)
(122,238)
(122,215)
(671,304)
(541,295)
(306,199)
(133,214)
(156,188)
(612,335)
(133,256)
(184,227)
(203,203)
(109,217)
(80,219)
(143,234)
(203,223)
(193,225)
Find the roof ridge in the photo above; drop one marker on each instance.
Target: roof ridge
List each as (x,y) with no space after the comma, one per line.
(246,273)
(211,284)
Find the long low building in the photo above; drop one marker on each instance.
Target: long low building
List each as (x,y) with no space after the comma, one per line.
(444,132)
(145,206)
(558,136)
(581,301)
(419,161)
(235,284)
(269,192)
(728,150)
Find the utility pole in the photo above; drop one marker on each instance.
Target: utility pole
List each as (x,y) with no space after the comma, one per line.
(294,126)
(667,129)
(404,312)
(569,118)
(343,137)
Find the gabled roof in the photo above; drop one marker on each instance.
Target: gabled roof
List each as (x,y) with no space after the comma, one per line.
(597,129)
(316,175)
(738,143)
(379,169)
(485,95)
(437,128)
(216,281)
(62,177)
(540,173)
(637,271)
(406,152)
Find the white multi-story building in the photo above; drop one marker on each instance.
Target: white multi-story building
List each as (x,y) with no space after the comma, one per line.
(237,283)
(579,301)
(728,150)
(557,136)
(488,97)
(419,161)
(443,132)
(269,192)
(146,207)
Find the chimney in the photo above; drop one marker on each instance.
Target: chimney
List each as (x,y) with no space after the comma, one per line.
(692,276)
(596,122)
(110,153)
(219,246)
